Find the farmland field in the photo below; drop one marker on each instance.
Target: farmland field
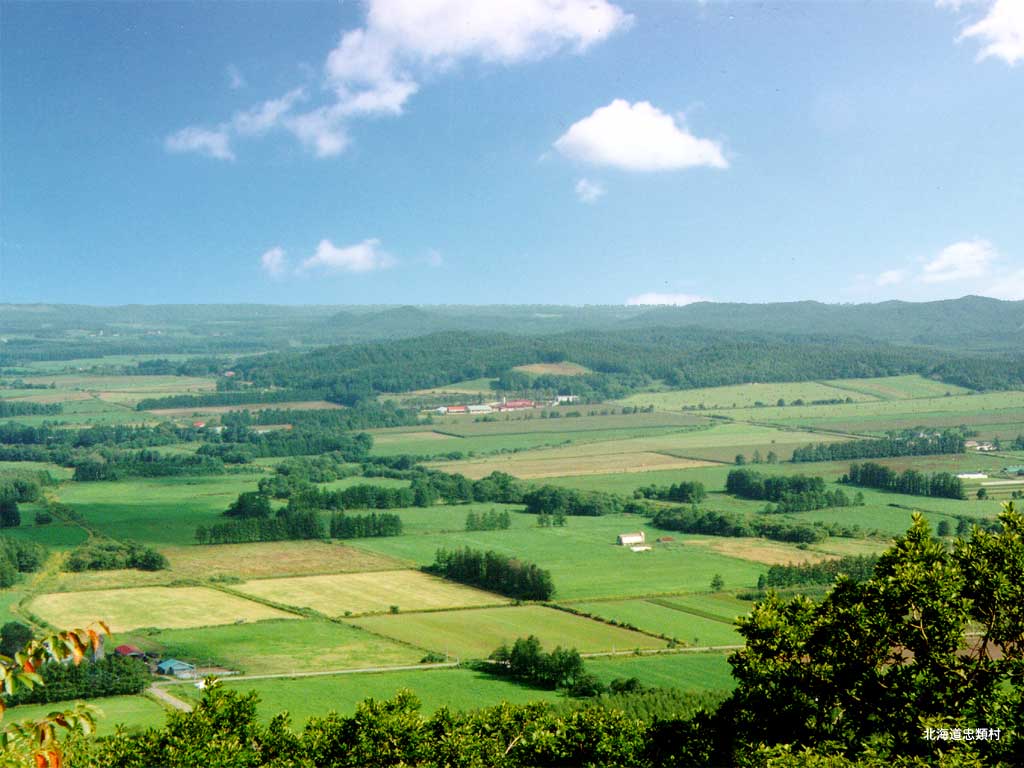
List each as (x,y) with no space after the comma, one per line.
(570,552)
(169,607)
(743,395)
(475,633)
(375,592)
(458,689)
(656,618)
(135,713)
(296,405)
(688,671)
(277,647)
(554,369)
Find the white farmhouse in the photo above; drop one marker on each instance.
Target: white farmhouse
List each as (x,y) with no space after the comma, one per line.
(631,539)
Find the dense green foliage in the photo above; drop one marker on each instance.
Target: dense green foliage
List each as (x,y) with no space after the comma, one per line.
(871,475)
(685,492)
(856,567)
(491,520)
(17,557)
(110,464)
(796,493)
(25,408)
(283,526)
(365,526)
(527,662)
(711,523)
(111,555)
(110,676)
(907,444)
(554,500)
(495,572)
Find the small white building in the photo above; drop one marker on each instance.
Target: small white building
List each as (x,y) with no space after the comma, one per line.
(568,398)
(972,476)
(631,539)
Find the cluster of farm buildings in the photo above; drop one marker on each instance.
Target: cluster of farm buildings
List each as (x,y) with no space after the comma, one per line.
(504,405)
(171,667)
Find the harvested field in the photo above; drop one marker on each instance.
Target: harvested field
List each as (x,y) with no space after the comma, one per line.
(760,550)
(297,405)
(369,592)
(167,607)
(273,560)
(554,369)
(410,437)
(534,466)
(476,633)
(663,619)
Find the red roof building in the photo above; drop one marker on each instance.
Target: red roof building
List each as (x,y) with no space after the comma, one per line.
(127,650)
(458,409)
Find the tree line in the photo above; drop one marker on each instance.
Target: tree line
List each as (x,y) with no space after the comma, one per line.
(283,526)
(111,675)
(110,464)
(107,555)
(365,526)
(908,444)
(794,493)
(25,408)
(856,567)
(870,475)
(712,523)
(685,492)
(494,572)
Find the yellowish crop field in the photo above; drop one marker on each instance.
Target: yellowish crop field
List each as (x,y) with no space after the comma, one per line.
(538,464)
(356,593)
(165,607)
(554,369)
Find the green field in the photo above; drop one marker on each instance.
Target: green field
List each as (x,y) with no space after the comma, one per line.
(458,689)
(571,552)
(474,634)
(657,618)
(687,671)
(355,593)
(156,510)
(132,712)
(743,395)
(276,647)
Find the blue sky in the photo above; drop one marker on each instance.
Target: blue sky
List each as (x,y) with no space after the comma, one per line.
(541,151)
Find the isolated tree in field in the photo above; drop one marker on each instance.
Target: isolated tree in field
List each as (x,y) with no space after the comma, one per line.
(717,583)
(943,528)
(772,458)
(982,493)
(740,459)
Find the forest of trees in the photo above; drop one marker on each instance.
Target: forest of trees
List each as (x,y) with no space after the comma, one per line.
(495,572)
(907,444)
(712,523)
(491,520)
(856,567)
(365,526)
(554,500)
(107,555)
(112,675)
(870,475)
(685,492)
(795,493)
(110,464)
(18,557)
(529,663)
(283,526)
(26,408)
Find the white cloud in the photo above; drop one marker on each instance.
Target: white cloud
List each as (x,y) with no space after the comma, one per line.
(589,191)
(674,299)
(891,277)
(366,256)
(637,137)
(274,262)
(263,117)
(204,141)
(965,260)
(377,68)
(1001,32)
(1008,286)
(235,78)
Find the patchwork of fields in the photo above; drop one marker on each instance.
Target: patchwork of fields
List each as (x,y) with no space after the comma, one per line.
(299,607)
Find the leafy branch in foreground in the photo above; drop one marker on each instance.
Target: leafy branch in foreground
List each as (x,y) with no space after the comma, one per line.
(35,742)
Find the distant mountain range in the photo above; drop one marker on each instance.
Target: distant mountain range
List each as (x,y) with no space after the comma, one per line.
(968,323)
